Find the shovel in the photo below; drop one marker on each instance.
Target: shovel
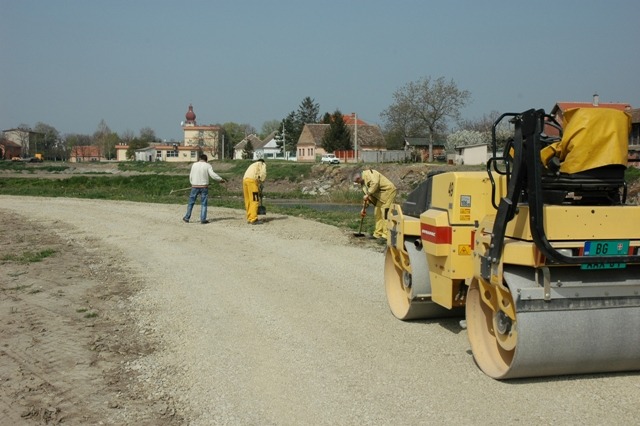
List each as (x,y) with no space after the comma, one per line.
(262,210)
(177,190)
(363,213)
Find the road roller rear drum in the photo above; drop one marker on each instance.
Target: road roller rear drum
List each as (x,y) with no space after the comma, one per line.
(540,252)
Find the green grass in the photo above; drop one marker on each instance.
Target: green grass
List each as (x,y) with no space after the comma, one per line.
(276,170)
(142,188)
(147,167)
(16,166)
(631,175)
(162,178)
(29,256)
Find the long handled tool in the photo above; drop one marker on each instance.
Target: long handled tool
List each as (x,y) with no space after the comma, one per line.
(363,213)
(262,210)
(176,190)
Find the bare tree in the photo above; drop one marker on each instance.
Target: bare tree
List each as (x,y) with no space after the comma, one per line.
(268,127)
(423,107)
(47,138)
(148,134)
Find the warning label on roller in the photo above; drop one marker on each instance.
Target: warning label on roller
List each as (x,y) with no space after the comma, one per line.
(464,250)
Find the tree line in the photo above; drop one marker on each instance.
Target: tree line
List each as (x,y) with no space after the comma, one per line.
(426,108)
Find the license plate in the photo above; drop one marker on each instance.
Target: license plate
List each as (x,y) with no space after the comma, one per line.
(605,248)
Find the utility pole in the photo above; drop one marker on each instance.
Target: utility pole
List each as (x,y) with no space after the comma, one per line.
(284,143)
(223,146)
(355,136)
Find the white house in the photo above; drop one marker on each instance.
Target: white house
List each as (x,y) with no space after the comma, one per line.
(268,148)
(265,149)
(472,154)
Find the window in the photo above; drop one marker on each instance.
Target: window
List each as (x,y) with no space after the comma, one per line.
(173,154)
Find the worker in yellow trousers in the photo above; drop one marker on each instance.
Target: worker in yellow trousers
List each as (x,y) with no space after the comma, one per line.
(254,176)
(381,192)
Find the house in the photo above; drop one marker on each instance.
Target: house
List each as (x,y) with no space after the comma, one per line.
(559,109)
(26,139)
(309,145)
(268,148)
(310,142)
(420,148)
(173,153)
(472,154)
(634,136)
(238,149)
(85,153)
(9,149)
(634,139)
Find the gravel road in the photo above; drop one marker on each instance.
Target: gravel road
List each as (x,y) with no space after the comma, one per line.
(286,323)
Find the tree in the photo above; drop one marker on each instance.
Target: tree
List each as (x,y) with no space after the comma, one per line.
(485,125)
(247,152)
(423,107)
(466,138)
(307,113)
(233,134)
(101,139)
(269,127)
(148,134)
(75,139)
(286,133)
(135,144)
(337,135)
(46,139)
(127,136)
(24,139)
(394,138)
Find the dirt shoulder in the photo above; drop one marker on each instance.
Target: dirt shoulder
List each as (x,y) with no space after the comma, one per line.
(67,332)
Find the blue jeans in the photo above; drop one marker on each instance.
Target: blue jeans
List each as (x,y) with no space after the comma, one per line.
(204,195)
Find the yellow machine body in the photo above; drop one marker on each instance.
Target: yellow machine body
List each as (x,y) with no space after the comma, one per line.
(528,313)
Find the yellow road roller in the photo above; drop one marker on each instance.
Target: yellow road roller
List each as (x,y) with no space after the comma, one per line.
(540,253)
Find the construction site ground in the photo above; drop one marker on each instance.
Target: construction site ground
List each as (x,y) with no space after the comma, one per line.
(131,316)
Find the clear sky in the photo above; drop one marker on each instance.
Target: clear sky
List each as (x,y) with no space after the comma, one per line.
(140,63)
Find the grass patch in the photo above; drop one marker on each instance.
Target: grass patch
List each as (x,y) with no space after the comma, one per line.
(90,315)
(276,170)
(631,175)
(29,256)
(17,166)
(342,219)
(142,188)
(147,167)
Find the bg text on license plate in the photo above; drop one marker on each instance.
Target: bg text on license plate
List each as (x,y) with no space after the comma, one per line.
(605,248)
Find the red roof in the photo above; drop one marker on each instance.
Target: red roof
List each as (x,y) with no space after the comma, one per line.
(563,106)
(350,120)
(85,151)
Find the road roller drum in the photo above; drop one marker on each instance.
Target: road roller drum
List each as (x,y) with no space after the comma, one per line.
(540,253)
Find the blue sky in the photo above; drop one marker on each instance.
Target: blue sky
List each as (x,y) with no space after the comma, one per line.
(140,63)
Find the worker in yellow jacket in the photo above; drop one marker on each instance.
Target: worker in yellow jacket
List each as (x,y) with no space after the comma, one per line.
(379,191)
(254,176)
